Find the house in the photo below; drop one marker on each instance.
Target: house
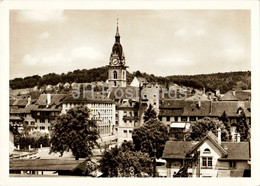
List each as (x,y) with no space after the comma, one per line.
(209,157)
(46,108)
(20,114)
(187,110)
(138,82)
(102,110)
(126,119)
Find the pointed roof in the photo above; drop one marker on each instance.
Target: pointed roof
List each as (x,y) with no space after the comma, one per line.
(229,96)
(213,139)
(117,30)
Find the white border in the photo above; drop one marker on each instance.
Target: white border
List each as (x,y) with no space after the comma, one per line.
(5,6)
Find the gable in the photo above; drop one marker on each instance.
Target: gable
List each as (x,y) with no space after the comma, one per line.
(214,151)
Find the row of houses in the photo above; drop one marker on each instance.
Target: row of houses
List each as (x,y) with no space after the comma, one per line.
(117,115)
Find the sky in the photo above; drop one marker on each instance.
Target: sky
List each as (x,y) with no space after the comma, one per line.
(159,42)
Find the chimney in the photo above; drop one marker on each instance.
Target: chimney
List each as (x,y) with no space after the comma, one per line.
(238,137)
(48,99)
(219,135)
(29,101)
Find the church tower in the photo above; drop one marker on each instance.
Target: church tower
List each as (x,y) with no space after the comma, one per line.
(117,67)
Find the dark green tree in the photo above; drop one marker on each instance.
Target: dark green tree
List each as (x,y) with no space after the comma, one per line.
(201,127)
(75,131)
(151,138)
(124,161)
(150,113)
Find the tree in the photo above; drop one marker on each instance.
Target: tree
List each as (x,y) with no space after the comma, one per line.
(151,138)
(201,127)
(224,118)
(150,113)
(124,161)
(243,127)
(75,131)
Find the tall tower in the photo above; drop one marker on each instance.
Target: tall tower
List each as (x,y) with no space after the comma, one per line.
(117,67)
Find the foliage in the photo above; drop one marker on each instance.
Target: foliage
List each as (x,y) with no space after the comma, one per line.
(224,118)
(34,141)
(243,127)
(75,131)
(222,81)
(151,138)
(201,127)
(124,161)
(150,113)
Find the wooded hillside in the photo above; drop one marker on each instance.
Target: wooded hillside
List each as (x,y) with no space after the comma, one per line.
(222,81)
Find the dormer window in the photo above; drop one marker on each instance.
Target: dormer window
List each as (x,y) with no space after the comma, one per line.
(206,151)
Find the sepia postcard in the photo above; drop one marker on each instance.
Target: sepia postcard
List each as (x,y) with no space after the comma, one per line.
(152,91)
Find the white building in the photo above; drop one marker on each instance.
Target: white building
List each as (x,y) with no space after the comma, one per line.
(208,158)
(102,110)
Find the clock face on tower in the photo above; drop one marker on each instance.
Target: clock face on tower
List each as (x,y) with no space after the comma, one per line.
(115,61)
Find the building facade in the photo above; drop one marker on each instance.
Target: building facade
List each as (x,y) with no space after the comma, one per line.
(207,158)
(102,110)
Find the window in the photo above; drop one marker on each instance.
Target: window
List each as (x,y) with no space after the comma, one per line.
(160,118)
(232,164)
(130,131)
(206,151)
(115,74)
(206,162)
(42,120)
(192,118)
(176,118)
(168,118)
(123,74)
(115,83)
(184,118)
(125,131)
(42,128)
(32,123)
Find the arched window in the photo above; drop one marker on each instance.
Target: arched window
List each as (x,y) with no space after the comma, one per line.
(206,151)
(115,75)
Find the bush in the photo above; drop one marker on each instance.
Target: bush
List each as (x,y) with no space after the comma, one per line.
(35,142)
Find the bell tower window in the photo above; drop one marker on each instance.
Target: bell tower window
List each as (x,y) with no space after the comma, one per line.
(115,74)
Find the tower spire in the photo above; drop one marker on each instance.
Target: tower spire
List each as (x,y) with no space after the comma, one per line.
(117,30)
